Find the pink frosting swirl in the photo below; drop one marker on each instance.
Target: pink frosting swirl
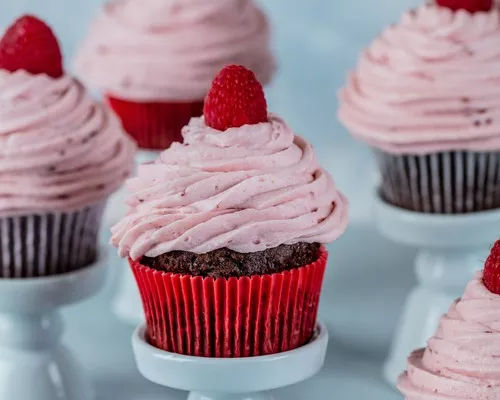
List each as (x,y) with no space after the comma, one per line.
(246,189)
(430,83)
(58,149)
(462,361)
(170,50)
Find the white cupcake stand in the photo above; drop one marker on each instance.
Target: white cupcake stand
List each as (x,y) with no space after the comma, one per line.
(230,379)
(34,364)
(127,303)
(451,249)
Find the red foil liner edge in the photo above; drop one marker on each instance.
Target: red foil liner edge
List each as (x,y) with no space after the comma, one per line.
(155,125)
(235,317)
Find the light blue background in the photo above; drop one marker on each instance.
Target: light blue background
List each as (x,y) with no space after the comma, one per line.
(317,42)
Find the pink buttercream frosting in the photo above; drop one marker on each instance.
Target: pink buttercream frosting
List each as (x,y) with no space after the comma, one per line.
(430,83)
(170,50)
(462,361)
(59,151)
(247,189)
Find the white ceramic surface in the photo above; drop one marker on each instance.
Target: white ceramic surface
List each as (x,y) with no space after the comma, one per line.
(34,365)
(451,248)
(230,379)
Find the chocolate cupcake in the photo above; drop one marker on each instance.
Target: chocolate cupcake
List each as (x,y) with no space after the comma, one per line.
(61,156)
(425,97)
(225,232)
(226,263)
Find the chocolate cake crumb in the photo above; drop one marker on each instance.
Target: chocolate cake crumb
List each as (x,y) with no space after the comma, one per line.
(225,263)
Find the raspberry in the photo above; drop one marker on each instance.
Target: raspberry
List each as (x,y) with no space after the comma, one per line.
(491,274)
(29,44)
(472,6)
(236,98)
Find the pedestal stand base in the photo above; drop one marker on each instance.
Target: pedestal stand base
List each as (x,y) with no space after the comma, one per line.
(231,378)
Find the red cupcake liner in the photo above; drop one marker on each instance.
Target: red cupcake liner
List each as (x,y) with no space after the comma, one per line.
(235,317)
(155,125)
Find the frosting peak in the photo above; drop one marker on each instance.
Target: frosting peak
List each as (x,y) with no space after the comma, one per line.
(430,83)
(58,149)
(462,361)
(169,50)
(246,189)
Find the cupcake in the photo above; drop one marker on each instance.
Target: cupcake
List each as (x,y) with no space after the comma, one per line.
(154,60)
(61,156)
(462,361)
(225,232)
(425,98)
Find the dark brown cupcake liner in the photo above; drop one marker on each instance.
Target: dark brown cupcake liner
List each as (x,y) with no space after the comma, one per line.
(235,317)
(442,183)
(49,244)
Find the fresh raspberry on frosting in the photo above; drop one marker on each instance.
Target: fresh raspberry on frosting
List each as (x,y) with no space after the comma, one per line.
(30,45)
(472,6)
(236,98)
(491,274)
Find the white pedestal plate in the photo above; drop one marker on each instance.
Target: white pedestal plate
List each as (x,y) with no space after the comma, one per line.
(231,378)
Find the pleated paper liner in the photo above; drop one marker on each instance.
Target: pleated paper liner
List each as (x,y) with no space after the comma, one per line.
(49,244)
(442,183)
(155,125)
(235,317)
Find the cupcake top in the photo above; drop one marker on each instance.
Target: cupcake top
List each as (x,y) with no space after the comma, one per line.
(462,360)
(429,83)
(158,50)
(248,185)
(59,150)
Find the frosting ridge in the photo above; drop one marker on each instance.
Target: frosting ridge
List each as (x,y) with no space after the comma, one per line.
(157,50)
(246,189)
(429,83)
(58,149)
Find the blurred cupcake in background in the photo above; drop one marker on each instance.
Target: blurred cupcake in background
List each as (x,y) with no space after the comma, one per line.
(461,361)
(154,59)
(225,232)
(61,156)
(425,96)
